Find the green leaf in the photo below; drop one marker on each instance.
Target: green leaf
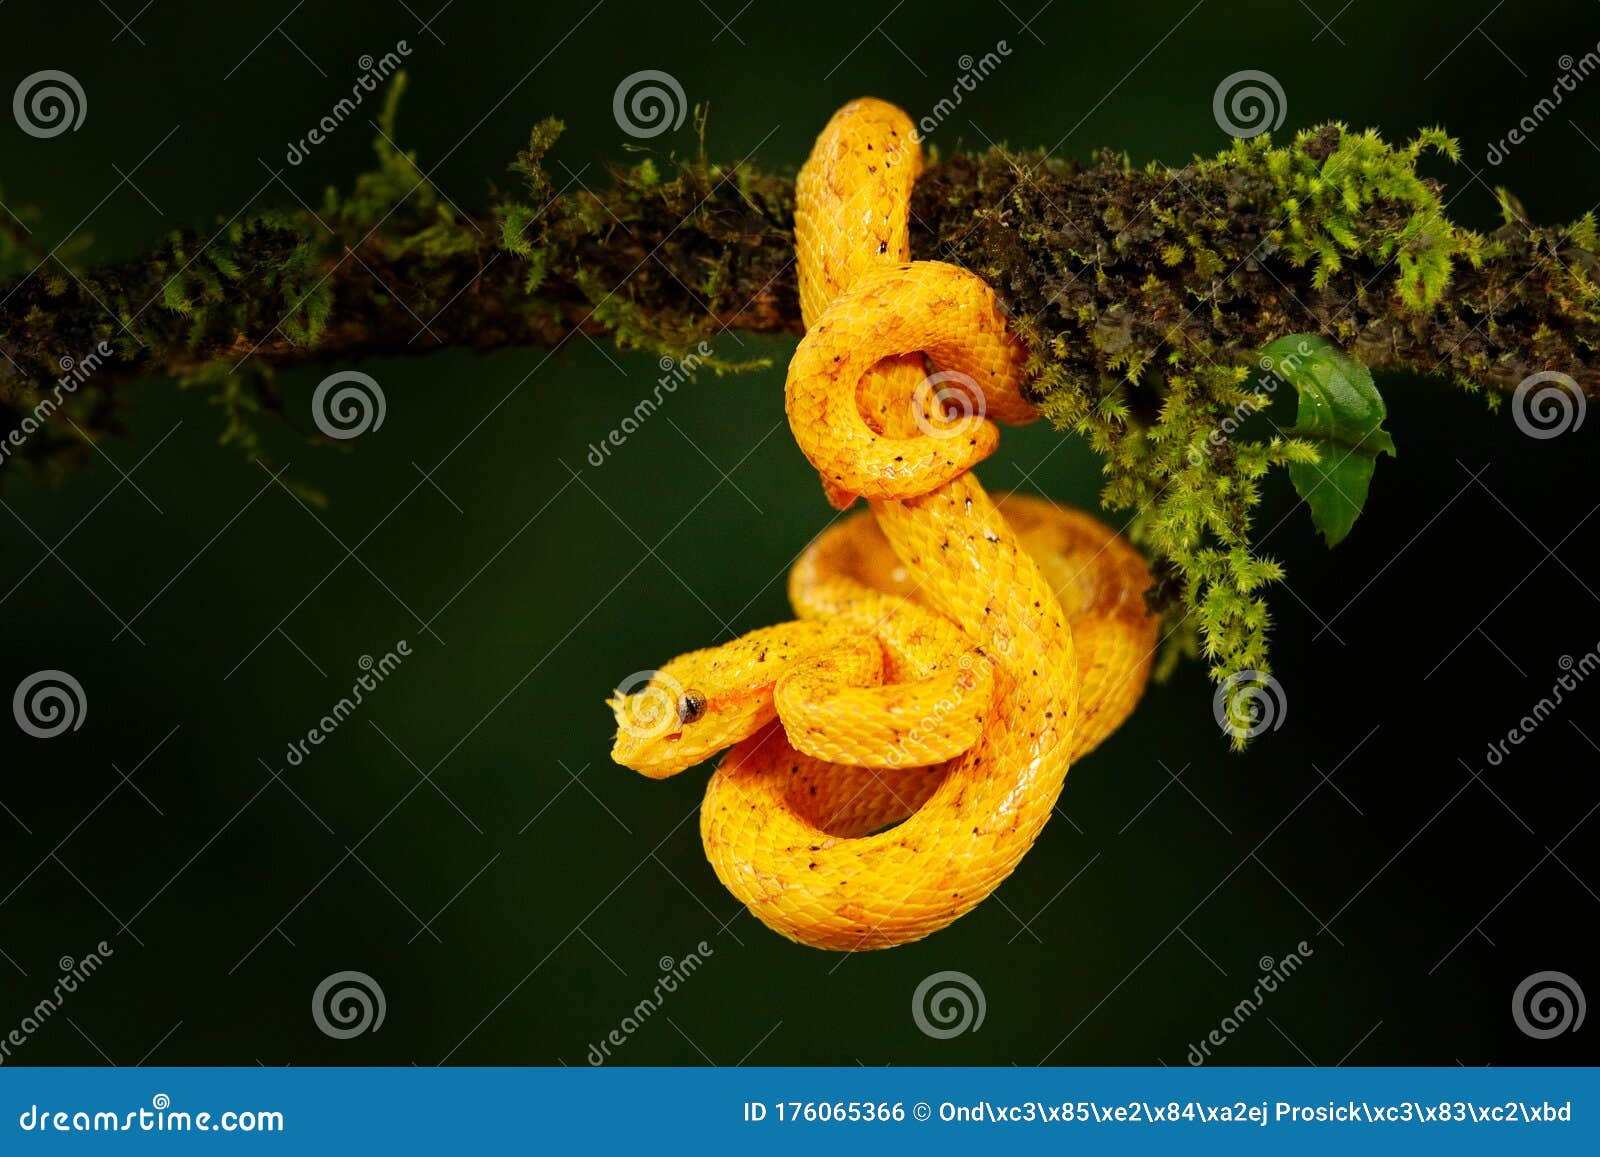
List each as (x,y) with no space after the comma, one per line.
(1341,414)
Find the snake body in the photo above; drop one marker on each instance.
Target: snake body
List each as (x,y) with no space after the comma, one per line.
(897,749)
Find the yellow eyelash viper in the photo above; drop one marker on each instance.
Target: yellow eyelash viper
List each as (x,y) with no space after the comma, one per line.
(897,750)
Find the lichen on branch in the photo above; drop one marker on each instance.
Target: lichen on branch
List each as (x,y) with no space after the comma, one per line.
(1146,294)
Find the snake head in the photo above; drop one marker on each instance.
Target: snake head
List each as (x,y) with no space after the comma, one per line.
(700,703)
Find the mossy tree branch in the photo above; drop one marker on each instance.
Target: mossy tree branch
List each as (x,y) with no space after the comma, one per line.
(1144,292)
(1113,268)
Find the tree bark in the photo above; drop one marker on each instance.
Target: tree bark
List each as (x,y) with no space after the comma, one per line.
(714,248)
(1144,294)
(1107,267)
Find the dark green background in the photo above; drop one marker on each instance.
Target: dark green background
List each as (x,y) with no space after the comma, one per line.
(227,907)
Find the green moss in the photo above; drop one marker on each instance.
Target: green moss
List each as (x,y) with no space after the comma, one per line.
(1143,292)
(18,252)
(1146,296)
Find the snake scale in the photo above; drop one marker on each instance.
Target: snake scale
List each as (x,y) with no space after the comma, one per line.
(896,750)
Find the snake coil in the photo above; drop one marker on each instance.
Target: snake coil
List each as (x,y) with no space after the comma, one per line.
(897,750)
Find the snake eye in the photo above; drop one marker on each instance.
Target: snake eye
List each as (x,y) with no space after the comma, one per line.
(691,706)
